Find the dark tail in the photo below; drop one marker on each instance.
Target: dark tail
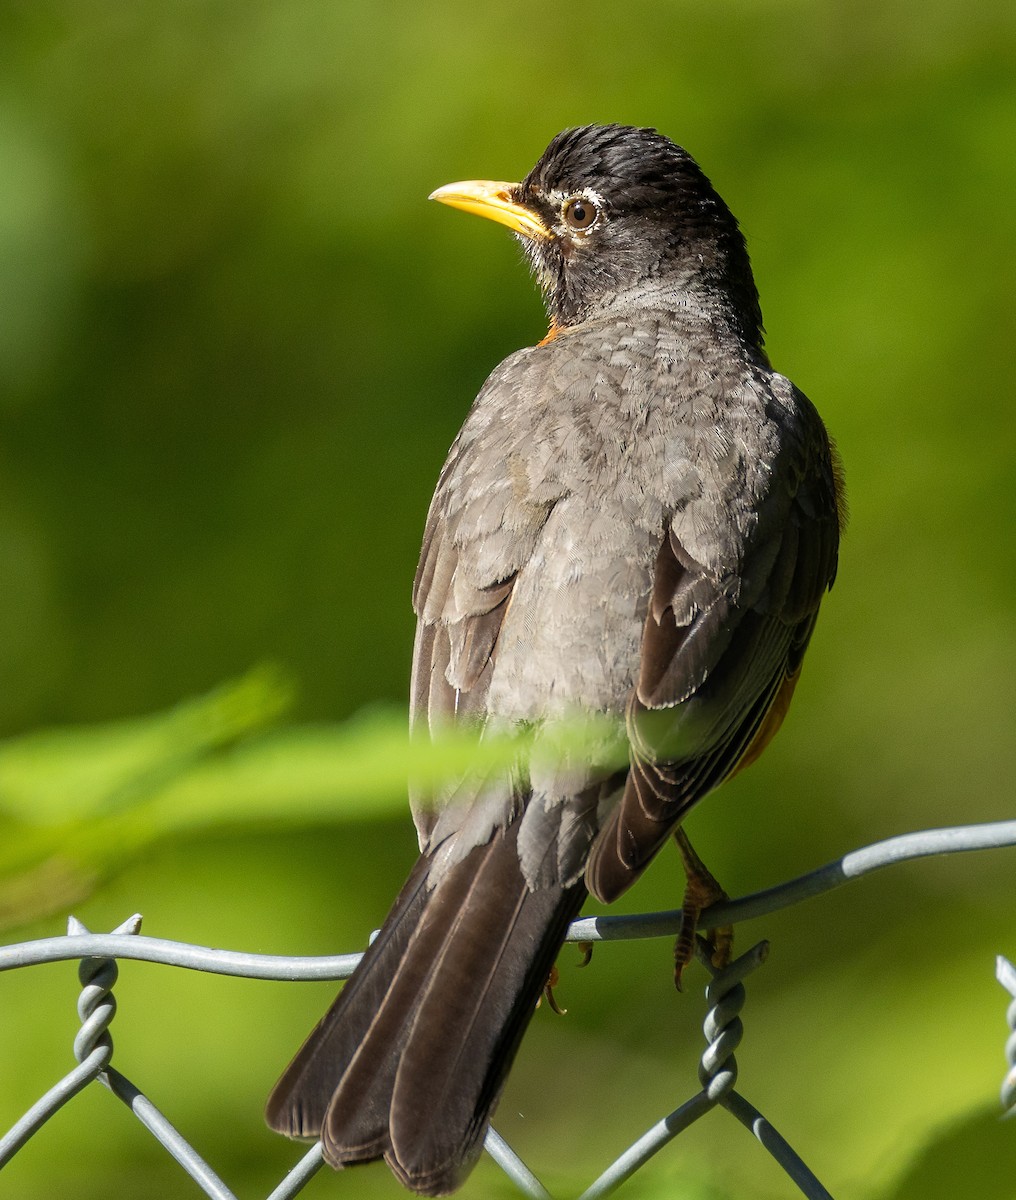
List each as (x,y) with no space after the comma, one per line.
(409,1062)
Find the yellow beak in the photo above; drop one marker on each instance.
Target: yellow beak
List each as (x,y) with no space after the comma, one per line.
(492,198)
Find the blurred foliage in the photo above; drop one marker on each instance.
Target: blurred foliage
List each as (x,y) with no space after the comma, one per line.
(235,344)
(79,805)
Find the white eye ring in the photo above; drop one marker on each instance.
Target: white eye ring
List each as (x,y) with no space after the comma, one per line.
(580,213)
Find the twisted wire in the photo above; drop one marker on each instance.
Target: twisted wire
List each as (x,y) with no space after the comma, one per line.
(93,1046)
(722,1025)
(98,972)
(96,1002)
(717,1069)
(1006,974)
(93,1042)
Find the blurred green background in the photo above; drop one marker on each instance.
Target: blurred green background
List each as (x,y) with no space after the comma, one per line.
(235,345)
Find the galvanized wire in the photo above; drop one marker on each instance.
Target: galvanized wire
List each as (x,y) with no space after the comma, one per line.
(513,1166)
(955,839)
(993,835)
(299,1176)
(1006,974)
(93,1046)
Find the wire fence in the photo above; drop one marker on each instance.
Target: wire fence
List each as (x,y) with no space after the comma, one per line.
(723,1027)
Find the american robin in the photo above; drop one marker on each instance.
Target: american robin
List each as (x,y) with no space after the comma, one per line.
(638,518)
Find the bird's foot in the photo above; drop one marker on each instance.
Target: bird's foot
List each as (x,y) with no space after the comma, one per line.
(553,979)
(701,891)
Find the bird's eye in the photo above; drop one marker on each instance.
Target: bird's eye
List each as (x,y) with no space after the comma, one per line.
(580,214)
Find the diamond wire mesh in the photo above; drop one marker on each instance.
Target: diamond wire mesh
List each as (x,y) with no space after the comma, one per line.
(723,1028)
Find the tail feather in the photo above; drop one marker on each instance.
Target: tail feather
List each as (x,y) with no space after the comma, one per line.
(299,1101)
(357,1125)
(410,1061)
(471,1019)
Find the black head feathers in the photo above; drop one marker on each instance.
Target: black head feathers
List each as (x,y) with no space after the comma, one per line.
(627,209)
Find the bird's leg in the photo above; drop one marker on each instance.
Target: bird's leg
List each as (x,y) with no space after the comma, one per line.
(701,891)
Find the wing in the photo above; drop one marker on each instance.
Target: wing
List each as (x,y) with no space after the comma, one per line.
(721,654)
(479,534)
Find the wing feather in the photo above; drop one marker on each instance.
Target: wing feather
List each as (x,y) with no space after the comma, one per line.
(719,662)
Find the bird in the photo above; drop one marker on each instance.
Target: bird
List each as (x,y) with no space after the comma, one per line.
(638,519)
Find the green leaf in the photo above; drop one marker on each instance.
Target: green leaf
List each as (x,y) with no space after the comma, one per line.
(80,805)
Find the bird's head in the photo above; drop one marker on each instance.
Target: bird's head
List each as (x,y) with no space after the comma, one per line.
(612,212)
